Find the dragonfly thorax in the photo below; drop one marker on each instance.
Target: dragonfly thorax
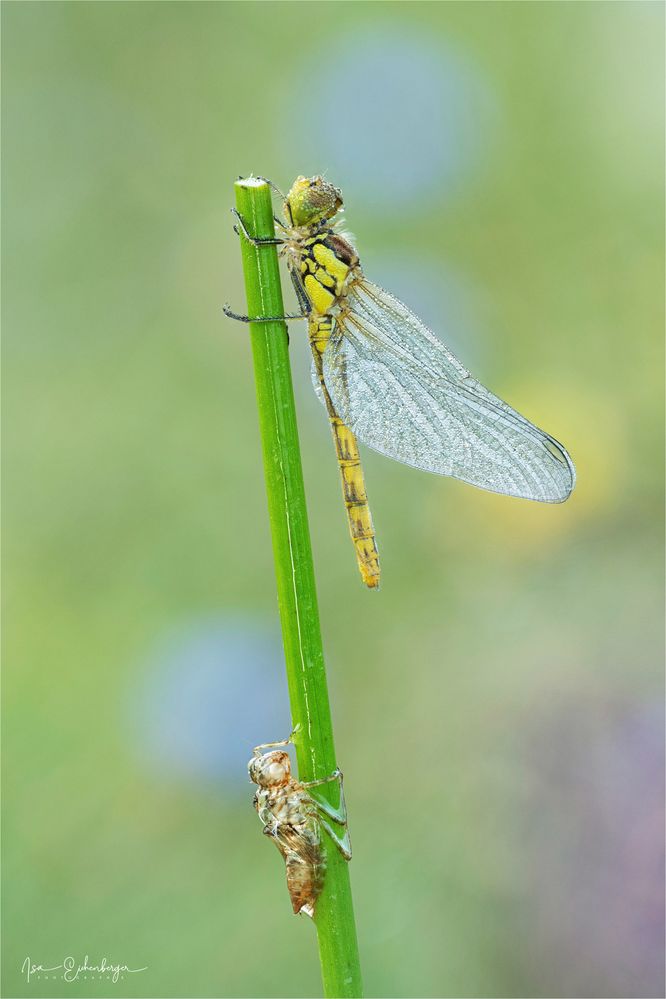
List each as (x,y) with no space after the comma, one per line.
(323,264)
(285,805)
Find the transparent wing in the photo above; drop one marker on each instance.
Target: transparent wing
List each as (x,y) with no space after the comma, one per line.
(404,394)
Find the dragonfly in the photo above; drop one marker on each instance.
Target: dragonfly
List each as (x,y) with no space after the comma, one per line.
(295,820)
(388,381)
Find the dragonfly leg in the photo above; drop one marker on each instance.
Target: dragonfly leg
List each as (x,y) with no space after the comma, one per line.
(258,750)
(301,294)
(273,745)
(273,186)
(321,811)
(338,814)
(240,229)
(342,844)
(259,319)
(336,775)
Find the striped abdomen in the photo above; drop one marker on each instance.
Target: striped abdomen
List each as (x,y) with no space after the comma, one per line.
(353,485)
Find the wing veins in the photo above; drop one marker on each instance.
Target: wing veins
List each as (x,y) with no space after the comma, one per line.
(508,448)
(501,444)
(485,398)
(424,377)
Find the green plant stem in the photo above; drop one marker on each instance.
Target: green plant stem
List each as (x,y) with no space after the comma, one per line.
(297,598)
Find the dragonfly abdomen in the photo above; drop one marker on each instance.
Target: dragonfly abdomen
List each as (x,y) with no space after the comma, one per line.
(356,501)
(351,473)
(306,869)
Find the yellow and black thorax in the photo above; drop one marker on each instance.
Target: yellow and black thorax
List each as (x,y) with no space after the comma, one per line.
(321,267)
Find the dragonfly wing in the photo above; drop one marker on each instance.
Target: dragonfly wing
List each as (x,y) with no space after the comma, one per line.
(315,384)
(403,393)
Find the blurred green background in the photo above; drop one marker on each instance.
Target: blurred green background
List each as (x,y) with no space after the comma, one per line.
(498,705)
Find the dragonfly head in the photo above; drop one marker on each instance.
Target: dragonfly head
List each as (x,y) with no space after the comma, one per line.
(311,200)
(271,769)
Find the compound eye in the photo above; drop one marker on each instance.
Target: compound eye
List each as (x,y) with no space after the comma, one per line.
(276,773)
